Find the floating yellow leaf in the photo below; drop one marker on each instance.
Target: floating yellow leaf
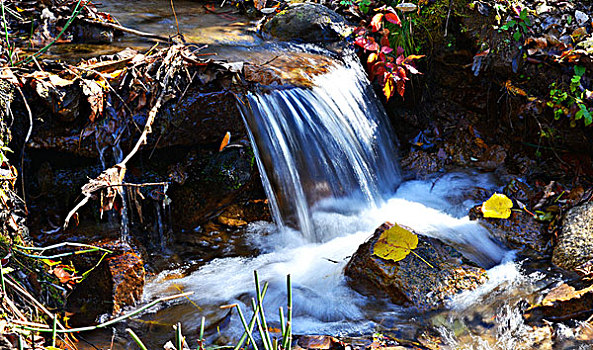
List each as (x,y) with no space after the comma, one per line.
(498,206)
(395,244)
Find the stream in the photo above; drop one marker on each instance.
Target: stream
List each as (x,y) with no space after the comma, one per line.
(330,169)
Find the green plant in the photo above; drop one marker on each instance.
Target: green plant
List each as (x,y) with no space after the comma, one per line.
(267,340)
(571,103)
(518,25)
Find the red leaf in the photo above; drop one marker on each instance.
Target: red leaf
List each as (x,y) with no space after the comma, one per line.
(393,18)
(412,69)
(377,70)
(400,51)
(401,72)
(371,45)
(376,22)
(401,87)
(385,39)
(382,57)
(63,275)
(361,41)
(386,49)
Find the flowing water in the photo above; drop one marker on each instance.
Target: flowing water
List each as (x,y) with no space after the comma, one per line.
(330,141)
(330,169)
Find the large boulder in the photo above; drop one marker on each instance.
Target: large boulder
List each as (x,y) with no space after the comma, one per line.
(306,22)
(411,281)
(575,241)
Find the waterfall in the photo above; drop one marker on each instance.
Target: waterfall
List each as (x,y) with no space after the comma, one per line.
(332,140)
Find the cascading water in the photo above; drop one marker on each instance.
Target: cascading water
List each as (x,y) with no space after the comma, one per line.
(329,166)
(330,141)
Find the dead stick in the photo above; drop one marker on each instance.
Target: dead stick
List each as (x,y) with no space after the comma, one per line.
(75,209)
(129,30)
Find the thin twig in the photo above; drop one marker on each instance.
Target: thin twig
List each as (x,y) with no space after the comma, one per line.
(176,21)
(448,15)
(129,30)
(75,209)
(25,141)
(108,323)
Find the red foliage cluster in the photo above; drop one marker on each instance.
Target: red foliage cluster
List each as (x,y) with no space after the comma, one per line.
(390,67)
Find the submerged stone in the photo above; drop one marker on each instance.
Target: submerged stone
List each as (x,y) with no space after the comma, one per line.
(412,281)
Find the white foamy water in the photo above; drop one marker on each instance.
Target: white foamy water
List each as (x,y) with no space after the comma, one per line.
(323,302)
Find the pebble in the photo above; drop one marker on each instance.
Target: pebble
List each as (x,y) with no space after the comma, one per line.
(581,17)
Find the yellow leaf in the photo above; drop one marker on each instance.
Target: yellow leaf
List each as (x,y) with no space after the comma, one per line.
(395,244)
(498,206)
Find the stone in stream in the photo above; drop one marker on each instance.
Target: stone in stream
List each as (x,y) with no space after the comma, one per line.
(519,231)
(411,281)
(574,246)
(306,22)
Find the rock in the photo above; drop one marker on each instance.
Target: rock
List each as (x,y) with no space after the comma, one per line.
(562,303)
(212,182)
(492,158)
(581,17)
(519,231)
(116,282)
(318,342)
(421,164)
(575,241)
(306,22)
(411,281)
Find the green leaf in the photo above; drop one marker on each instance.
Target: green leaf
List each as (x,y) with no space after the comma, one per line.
(578,115)
(528,22)
(498,206)
(523,14)
(395,243)
(517,36)
(511,23)
(585,113)
(579,71)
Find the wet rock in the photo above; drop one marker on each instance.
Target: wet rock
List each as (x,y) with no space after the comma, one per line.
(92,34)
(116,282)
(412,282)
(575,241)
(319,342)
(306,22)
(421,164)
(212,183)
(239,215)
(519,231)
(562,303)
(492,158)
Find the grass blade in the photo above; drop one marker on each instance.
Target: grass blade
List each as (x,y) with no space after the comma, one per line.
(136,339)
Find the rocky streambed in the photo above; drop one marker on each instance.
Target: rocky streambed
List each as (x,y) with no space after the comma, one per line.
(204,224)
